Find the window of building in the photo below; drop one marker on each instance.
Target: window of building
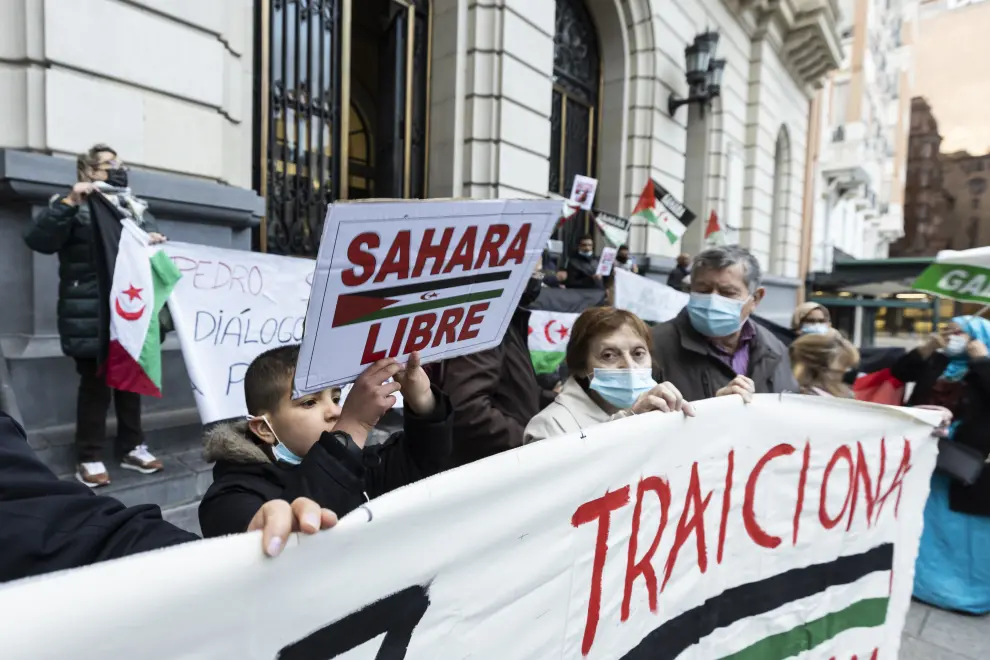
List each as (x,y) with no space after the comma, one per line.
(922,211)
(976,202)
(325,133)
(840,102)
(780,208)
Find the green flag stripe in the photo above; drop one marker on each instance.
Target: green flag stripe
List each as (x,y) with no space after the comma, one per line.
(439,303)
(164,275)
(868,613)
(546,362)
(963,282)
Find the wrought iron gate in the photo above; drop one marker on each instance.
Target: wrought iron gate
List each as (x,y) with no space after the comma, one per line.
(574,112)
(307,125)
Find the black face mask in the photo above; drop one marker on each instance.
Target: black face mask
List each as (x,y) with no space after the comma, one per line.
(622,258)
(532,292)
(117,177)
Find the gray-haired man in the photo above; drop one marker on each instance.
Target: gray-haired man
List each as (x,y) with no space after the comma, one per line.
(712,348)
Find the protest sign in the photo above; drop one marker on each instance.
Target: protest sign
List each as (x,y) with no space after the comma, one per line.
(781,528)
(549,333)
(229,307)
(962,275)
(614,227)
(438,277)
(583,192)
(647,299)
(606,261)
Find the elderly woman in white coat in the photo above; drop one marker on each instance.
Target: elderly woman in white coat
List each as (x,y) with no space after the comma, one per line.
(608,357)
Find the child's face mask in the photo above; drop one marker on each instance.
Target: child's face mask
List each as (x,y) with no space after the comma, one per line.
(279,450)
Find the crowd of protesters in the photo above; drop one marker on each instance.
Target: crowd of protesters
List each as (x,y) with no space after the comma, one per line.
(313,452)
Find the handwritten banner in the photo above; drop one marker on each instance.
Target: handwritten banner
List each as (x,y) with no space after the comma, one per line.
(646,298)
(229,307)
(438,277)
(766,531)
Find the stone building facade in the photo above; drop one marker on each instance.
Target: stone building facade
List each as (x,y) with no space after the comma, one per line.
(243,118)
(964,180)
(863,116)
(929,218)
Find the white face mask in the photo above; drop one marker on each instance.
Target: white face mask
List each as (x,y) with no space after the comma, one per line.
(956,345)
(815,329)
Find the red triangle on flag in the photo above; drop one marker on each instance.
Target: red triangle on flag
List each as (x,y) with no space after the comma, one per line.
(353,307)
(647,199)
(713,226)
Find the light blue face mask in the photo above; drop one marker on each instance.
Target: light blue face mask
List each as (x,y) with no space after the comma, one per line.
(715,316)
(622,387)
(815,329)
(279,451)
(587,253)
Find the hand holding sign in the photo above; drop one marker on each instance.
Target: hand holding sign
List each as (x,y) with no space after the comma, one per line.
(369,399)
(416,387)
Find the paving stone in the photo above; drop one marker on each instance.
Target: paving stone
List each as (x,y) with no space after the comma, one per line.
(913,648)
(185,517)
(966,635)
(916,616)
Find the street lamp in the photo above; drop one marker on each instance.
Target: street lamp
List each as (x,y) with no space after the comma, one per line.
(704,74)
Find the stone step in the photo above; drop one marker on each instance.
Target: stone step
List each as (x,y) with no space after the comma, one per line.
(166,433)
(183,481)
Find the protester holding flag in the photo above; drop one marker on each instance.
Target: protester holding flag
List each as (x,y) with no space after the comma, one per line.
(312,447)
(608,357)
(495,392)
(712,347)
(66,227)
(952,370)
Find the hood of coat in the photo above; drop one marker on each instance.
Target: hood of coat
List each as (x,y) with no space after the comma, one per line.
(232,442)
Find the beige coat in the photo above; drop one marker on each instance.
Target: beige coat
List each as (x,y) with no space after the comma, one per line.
(572,410)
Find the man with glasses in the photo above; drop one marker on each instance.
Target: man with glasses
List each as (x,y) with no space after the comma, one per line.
(65,228)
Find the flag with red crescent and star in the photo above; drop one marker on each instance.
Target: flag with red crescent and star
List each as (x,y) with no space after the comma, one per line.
(549,333)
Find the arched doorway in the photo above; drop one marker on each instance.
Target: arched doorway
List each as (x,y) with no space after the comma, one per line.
(574,111)
(314,58)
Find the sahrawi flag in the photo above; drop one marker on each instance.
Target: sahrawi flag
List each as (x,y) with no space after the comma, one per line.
(142,281)
(713,231)
(960,275)
(549,333)
(662,210)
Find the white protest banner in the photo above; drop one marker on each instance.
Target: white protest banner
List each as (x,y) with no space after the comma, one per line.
(784,528)
(549,333)
(606,261)
(583,191)
(647,299)
(438,277)
(229,307)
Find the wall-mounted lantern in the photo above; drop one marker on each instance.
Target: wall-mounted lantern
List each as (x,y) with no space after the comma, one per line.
(704,73)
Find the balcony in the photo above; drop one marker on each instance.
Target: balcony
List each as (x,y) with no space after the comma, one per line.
(850,160)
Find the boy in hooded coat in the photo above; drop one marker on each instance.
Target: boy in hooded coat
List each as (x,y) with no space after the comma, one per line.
(311,447)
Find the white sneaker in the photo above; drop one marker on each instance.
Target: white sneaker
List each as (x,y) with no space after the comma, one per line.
(93,474)
(141,460)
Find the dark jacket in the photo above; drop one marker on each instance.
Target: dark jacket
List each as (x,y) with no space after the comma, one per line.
(974,420)
(581,273)
(244,477)
(675,279)
(49,525)
(66,230)
(495,393)
(687,359)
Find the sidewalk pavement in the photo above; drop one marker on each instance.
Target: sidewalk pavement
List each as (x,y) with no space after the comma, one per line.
(934,634)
